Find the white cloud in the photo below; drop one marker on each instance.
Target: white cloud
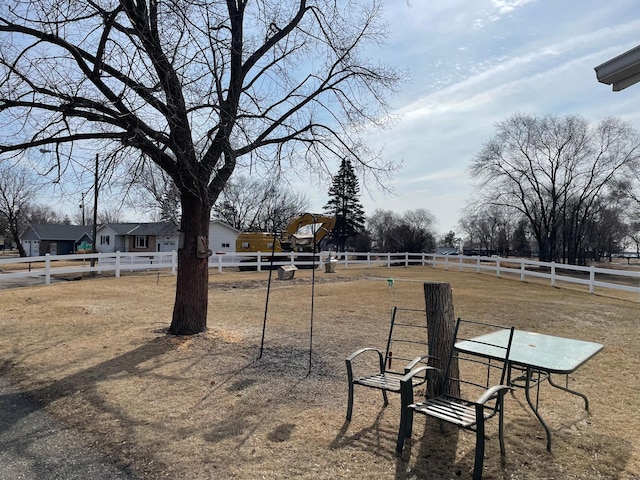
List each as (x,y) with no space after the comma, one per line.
(538,59)
(436,176)
(507,6)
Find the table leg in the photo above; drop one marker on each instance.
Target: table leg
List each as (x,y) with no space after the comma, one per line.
(567,389)
(534,408)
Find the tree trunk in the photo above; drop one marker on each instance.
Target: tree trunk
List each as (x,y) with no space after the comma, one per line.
(192,288)
(15,233)
(441,324)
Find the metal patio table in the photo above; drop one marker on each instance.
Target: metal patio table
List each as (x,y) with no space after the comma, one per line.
(537,356)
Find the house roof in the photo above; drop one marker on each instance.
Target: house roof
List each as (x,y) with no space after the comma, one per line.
(622,71)
(155,228)
(61,232)
(225,224)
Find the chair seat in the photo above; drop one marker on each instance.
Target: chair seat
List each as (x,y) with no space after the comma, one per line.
(452,411)
(385,381)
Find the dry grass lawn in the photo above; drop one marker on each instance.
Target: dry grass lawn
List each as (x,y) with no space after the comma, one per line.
(94,354)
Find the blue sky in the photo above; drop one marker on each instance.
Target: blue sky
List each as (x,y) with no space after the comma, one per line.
(473,63)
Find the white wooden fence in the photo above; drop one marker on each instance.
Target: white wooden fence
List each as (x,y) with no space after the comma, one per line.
(49,266)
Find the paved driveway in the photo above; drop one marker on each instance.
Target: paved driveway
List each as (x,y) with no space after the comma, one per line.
(33,446)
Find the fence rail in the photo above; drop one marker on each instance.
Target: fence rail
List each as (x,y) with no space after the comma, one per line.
(49,266)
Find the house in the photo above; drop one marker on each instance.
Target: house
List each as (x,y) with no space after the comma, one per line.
(137,237)
(159,237)
(222,237)
(40,239)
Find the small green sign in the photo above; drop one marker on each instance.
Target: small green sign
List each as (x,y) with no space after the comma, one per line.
(85,246)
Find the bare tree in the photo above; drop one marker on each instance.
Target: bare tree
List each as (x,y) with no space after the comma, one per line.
(36,213)
(109,215)
(253,204)
(411,232)
(380,224)
(18,187)
(198,88)
(489,227)
(154,190)
(553,171)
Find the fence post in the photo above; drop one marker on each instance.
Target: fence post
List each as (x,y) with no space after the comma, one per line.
(174,261)
(118,264)
(498,267)
(369,260)
(346,260)
(460,262)
(388,259)
(477,264)
(522,270)
(406,259)
(553,274)
(592,279)
(47,269)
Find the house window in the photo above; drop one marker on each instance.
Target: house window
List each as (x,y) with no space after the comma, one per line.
(104,239)
(141,241)
(225,245)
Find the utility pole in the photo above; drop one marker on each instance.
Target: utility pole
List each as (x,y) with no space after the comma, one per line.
(82,208)
(95,213)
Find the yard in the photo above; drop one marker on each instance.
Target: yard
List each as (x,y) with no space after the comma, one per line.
(94,354)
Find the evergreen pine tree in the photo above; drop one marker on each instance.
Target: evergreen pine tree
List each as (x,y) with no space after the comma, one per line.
(344,203)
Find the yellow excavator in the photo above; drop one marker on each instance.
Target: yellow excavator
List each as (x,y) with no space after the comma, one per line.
(299,236)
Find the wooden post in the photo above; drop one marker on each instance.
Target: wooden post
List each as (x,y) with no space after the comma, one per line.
(441,324)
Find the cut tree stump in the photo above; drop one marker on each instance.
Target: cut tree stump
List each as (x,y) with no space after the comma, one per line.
(441,325)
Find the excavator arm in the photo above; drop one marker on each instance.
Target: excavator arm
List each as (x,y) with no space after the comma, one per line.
(324,224)
(319,224)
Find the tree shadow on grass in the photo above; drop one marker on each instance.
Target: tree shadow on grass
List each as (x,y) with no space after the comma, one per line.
(376,437)
(436,453)
(451,454)
(34,445)
(86,382)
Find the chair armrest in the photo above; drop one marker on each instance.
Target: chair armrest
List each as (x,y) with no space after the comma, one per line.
(492,392)
(414,362)
(407,378)
(351,357)
(406,383)
(361,351)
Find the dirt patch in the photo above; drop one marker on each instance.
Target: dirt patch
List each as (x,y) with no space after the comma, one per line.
(217,405)
(276,283)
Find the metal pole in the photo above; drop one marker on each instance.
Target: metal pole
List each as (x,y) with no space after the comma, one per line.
(313,286)
(266,305)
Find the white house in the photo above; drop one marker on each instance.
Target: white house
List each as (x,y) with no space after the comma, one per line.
(159,237)
(222,237)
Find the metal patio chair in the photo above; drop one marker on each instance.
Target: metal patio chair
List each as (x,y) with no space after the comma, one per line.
(407,346)
(472,387)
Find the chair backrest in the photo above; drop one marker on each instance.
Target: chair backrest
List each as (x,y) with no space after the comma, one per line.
(408,338)
(478,359)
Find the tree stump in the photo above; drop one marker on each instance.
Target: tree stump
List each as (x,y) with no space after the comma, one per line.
(441,325)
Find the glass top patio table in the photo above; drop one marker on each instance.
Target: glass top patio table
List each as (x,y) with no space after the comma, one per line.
(532,351)
(547,353)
